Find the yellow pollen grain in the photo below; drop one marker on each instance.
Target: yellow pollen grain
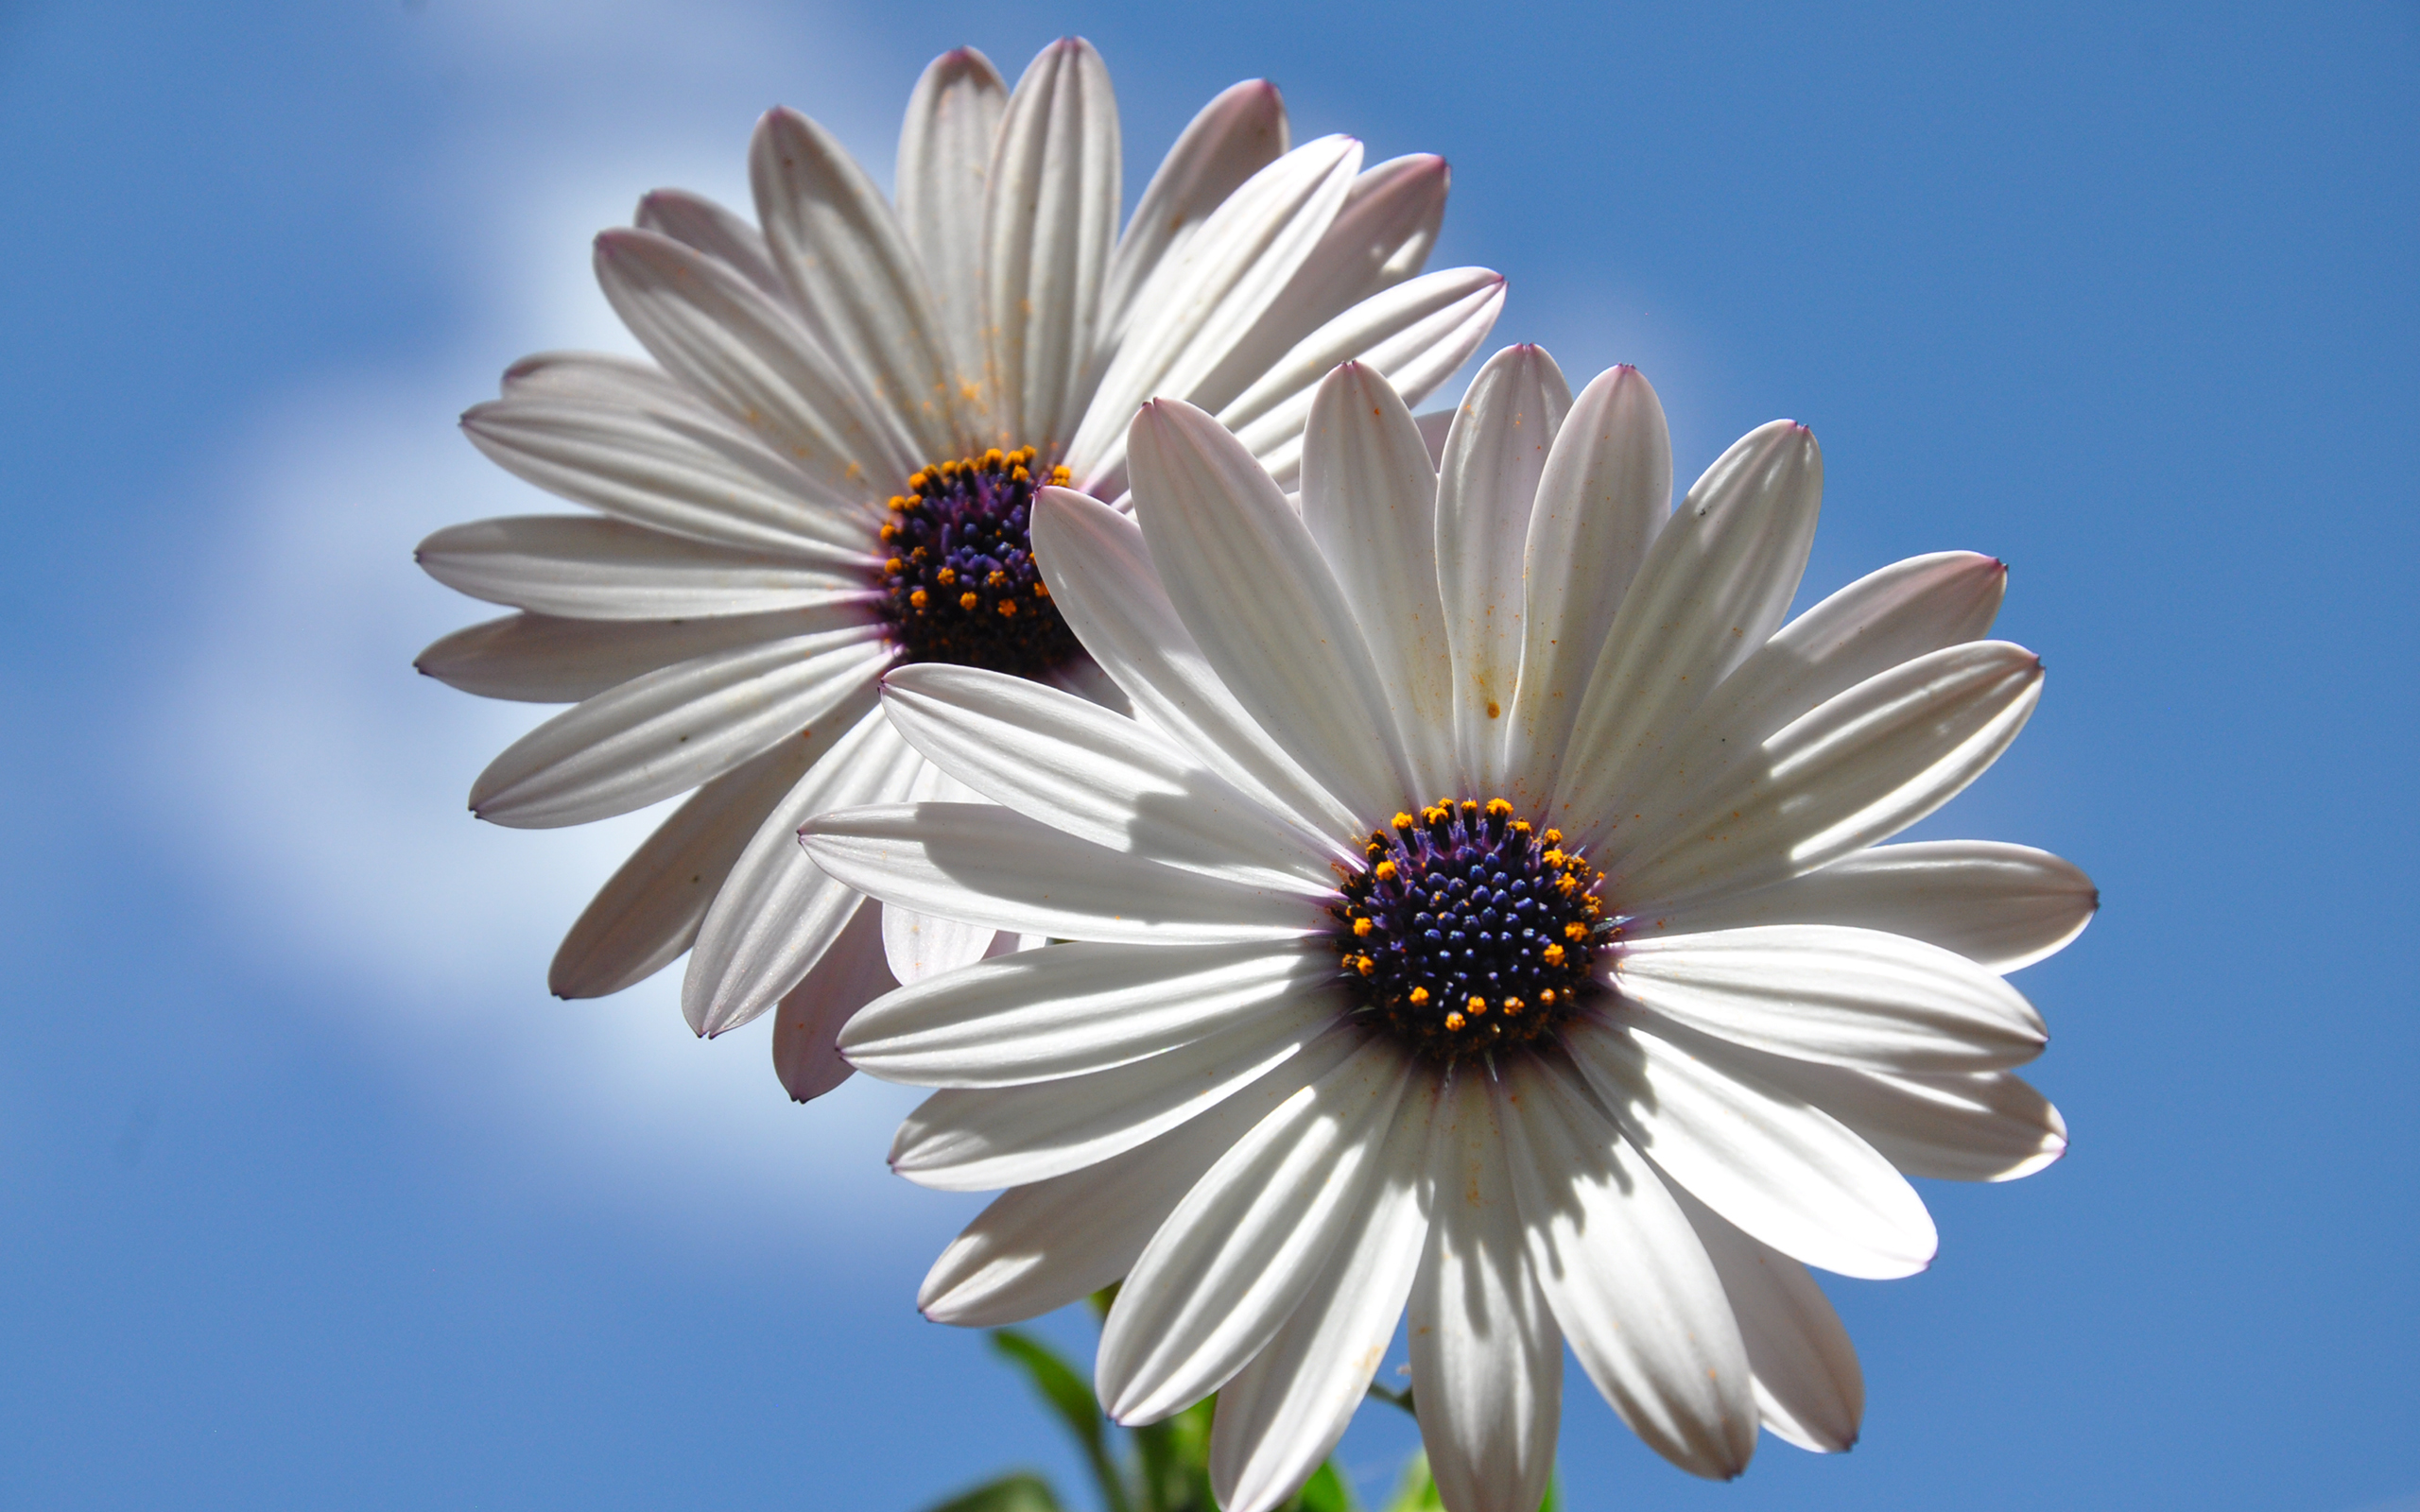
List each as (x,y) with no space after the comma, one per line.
(1403,821)
(1574,932)
(1386,872)
(899,502)
(996,580)
(1547,997)
(1470,805)
(1041,589)
(894,566)
(1552,858)
(968,600)
(1552,837)
(918,598)
(945,576)
(1552,954)
(1364,965)
(916,482)
(1008,609)
(1361,928)
(1498,808)
(1454,1021)
(1478,1005)
(1420,997)
(1512,1008)
(1061,477)
(1494,709)
(991,460)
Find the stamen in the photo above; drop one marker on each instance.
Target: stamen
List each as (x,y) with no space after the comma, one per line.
(962,585)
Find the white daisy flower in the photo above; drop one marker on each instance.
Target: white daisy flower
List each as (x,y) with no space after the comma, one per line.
(830,472)
(1481,912)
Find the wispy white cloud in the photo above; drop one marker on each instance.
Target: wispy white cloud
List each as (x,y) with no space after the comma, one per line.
(321,780)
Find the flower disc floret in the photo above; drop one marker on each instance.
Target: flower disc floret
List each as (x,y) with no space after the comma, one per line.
(958,578)
(1467,931)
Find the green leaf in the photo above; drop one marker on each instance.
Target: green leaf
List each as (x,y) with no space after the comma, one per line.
(1021,1491)
(1175,1456)
(1417,1490)
(1326,1491)
(1061,1384)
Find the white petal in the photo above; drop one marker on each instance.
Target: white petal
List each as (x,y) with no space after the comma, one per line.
(547,659)
(1380,237)
(1414,335)
(755,361)
(1810,1390)
(649,912)
(1041,1246)
(1715,584)
(1485,488)
(1238,1255)
(586,568)
(698,222)
(1987,1126)
(1073,1009)
(1212,289)
(597,377)
(1486,1353)
(1781,1169)
(1249,584)
(2001,906)
(1370,500)
(1627,1277)
(993,865)
(1049,217)
(1098,776)
(839,247)
(1112,596)
(1909,609)
(1861,768)
(668,731)
(679,469)
(1853,997)
(1234,136)
(1602,498)
(944,160)
(777,914)
(808,1019)
(916,945)
(1281,1415)
(974,1139)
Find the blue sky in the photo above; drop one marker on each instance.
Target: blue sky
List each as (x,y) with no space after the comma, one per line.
(312,1195)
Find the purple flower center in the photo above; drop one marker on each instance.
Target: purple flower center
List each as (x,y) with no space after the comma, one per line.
(1467,932)
(958,582)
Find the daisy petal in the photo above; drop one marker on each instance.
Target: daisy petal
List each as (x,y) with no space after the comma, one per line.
(1955,1126)
(1039,1247)
(847,263)
(1715,584)
(680,468)
(1249,582)
(1281,1415)
(977,863)
(1781,1169)
(1604,493)
(2001,906)
(1858,769)
(808,1019)
(1212,289)
(605,570)
(756,362)
(1413,336)
(776,915)
(975,1138)
(1073,1009)
(1909,609)
(1810,1390)
(917,946)
(1370,500)
(1111,595)
(649,912)
(1626,1276)
(595,376)
(1486,1353)
(1238,1253)
(668,731)
(1852,997)
(1234,136)
(698,222)
(1485,486)
(1380,237)
(547,659)
(944,160)
(1049,217)
(1076,766)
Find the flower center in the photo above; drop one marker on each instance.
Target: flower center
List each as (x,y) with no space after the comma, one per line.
(959,583)
(1465,931)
